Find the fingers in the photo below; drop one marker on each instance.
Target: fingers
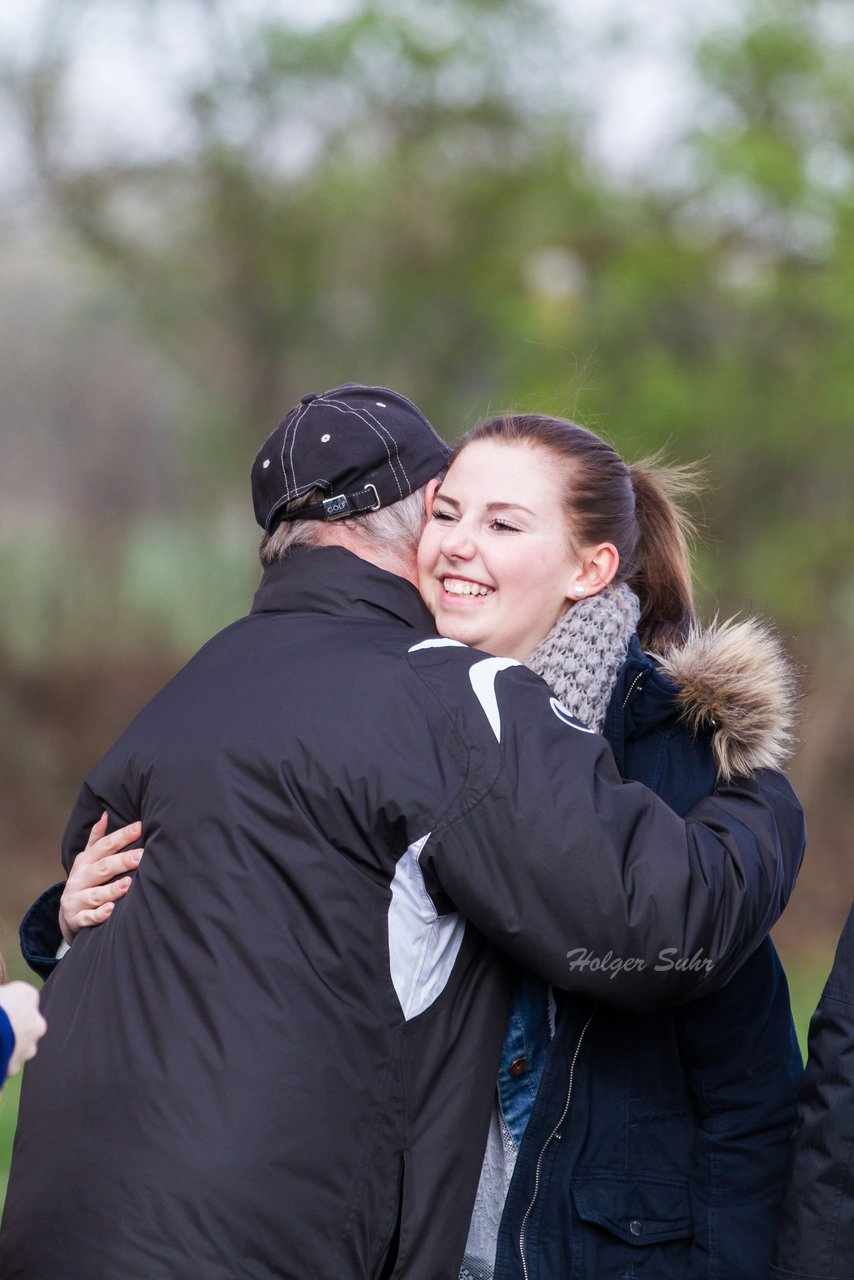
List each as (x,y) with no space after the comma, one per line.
(104,894)
(92,883)
(99,845)
(89,873)
(97,915)
(113,865)
(80,908)
(99,829)
(100,894)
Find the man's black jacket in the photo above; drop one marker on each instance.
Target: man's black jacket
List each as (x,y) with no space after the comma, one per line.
(277,1058)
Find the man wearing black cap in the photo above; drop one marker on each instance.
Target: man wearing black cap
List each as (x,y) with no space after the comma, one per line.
(278,1058)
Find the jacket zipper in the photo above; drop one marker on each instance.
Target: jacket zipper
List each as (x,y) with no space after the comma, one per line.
(552,1136)
(638,677)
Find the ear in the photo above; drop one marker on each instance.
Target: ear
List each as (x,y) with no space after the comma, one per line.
(430,490)
(594,572)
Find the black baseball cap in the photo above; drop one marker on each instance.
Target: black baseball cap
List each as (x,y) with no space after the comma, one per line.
(366,447)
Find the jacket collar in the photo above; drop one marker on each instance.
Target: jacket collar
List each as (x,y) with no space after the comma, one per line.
(333,581)
(731,680)
(642,699)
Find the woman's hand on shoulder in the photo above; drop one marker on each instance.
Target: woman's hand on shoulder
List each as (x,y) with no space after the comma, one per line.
(95,882)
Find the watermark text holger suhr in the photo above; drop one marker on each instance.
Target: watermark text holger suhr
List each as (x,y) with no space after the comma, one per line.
(668,959)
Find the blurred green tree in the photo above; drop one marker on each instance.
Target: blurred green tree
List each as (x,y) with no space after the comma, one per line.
(409,194)
(352,200)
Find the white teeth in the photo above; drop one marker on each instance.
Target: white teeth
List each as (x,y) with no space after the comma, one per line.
(459,587)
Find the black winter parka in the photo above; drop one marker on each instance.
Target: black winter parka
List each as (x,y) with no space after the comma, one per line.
(277,1059)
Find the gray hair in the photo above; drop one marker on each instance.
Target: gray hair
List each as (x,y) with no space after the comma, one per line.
(394,530)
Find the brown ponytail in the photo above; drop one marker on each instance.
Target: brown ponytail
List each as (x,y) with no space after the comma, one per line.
(638,508)
(661,574)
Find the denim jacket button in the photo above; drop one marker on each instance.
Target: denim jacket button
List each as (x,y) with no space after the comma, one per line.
(518,1067)
(635,1227)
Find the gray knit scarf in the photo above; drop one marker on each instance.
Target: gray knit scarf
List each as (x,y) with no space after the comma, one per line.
(584,650)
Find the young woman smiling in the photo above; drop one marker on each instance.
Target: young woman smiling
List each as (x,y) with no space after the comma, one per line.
(496,564)
(644,1146)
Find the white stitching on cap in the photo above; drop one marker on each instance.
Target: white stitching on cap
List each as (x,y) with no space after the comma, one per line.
(294,490)
(387,430)
(400,396)
(382,431)
(293,494)
(290,494)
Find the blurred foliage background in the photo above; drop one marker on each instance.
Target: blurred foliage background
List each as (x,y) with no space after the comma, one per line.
(210,208)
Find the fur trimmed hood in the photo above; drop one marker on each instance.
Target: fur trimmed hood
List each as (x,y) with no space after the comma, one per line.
(737,677)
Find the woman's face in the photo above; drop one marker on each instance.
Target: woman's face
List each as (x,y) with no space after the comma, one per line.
(494,563)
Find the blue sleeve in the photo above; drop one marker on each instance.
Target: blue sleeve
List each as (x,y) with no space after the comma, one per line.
(7,1043)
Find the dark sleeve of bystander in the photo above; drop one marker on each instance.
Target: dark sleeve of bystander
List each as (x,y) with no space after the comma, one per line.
(815,1237)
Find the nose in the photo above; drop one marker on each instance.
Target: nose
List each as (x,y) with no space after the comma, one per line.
(458,542)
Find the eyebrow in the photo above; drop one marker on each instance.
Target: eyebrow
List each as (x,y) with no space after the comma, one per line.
(490,506)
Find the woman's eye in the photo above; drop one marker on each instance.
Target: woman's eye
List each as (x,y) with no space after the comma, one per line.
(442,515)
(503,527)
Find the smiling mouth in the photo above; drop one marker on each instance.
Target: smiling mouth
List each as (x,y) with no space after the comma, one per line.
(463,587)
